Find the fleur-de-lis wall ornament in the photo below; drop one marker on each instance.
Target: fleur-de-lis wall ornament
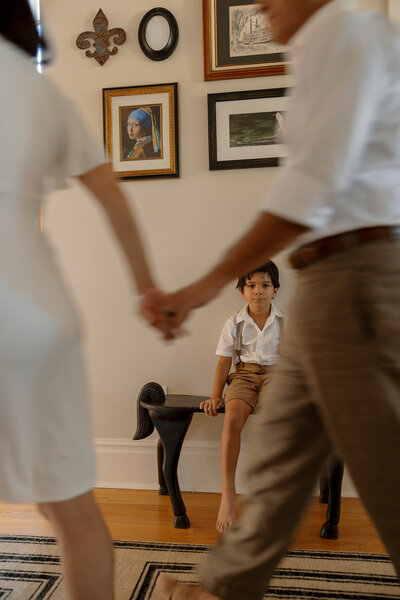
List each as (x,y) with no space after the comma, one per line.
(102,39)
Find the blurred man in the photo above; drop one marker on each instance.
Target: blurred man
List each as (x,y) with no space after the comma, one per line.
(337,380)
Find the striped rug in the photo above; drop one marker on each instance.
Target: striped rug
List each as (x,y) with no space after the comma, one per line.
(30,570)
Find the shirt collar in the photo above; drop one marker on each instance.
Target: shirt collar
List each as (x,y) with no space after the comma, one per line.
(243,315)
(278,312)
(306,33)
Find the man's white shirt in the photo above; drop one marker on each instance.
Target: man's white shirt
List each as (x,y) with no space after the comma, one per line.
(342,128)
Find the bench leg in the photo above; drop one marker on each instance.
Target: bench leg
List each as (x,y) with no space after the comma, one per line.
(324,487)
(172,433)
(330,529)
(163,490)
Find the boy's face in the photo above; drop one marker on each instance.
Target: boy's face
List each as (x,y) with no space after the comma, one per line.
(258,292)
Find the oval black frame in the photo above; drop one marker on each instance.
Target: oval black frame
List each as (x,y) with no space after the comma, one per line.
(173,34)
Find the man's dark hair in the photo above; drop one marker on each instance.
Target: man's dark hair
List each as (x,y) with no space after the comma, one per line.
(269,268)
(17,25)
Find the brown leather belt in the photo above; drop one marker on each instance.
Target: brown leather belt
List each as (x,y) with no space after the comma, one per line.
(308,254)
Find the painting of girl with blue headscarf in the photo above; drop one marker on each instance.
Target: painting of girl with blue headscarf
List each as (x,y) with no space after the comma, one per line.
(140,129)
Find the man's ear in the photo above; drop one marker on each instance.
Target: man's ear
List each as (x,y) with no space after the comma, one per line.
(241,292)
(276,290)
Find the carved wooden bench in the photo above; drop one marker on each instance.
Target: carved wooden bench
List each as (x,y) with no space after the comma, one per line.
(171,416)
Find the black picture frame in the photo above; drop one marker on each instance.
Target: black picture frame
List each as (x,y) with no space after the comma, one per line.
(173,34)
(260,111)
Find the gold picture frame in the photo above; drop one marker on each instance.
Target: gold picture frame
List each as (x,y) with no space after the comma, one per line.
(153,109)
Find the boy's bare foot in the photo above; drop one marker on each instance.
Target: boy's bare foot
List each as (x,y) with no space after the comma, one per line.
(174,590)
(227,513)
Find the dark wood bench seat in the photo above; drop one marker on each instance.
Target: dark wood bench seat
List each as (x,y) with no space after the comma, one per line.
(171,416)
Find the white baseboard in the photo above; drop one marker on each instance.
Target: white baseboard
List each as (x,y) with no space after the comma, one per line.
(128,464)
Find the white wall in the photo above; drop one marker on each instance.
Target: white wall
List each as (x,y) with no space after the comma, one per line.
(188,222)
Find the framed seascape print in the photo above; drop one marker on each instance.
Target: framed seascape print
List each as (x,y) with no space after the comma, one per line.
(244,128)
(141,130)
(238,41)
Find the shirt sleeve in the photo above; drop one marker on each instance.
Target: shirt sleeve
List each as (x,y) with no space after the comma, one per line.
(77,151)
(227,340)
(333,110)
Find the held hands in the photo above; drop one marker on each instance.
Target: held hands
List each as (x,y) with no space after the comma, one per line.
(212,405)
(167,312)
(157,311)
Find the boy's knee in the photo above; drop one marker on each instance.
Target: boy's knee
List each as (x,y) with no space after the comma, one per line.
(233,422)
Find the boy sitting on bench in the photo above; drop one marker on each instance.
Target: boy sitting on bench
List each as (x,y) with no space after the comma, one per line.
(250,339)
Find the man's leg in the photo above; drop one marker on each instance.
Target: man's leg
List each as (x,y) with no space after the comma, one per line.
(341,342)
(288,447)
(86,548)
(356,306)
(236,414)
(173,590)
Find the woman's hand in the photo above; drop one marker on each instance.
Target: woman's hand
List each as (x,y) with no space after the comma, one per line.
(212,405)
(154,309)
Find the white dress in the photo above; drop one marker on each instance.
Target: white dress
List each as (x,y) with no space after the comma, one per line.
(46,448)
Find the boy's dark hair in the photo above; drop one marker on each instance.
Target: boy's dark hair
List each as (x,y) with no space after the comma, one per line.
(269,268)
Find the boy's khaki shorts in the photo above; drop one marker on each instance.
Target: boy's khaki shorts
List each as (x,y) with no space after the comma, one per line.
(247,382)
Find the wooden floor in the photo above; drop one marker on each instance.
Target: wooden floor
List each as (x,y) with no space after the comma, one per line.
(143,515)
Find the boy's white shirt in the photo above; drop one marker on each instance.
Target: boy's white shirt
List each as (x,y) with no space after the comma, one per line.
(260,347)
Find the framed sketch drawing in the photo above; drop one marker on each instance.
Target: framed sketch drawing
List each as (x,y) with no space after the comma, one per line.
(244,128)
(238,41)
(141,130)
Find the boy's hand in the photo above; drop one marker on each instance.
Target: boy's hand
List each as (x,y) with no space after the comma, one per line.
(212,405)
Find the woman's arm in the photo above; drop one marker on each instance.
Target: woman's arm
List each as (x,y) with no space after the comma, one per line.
(100,181)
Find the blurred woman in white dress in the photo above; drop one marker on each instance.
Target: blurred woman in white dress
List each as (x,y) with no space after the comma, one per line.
(46,447)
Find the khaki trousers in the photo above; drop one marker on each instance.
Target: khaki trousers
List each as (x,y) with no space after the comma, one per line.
(336,386)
